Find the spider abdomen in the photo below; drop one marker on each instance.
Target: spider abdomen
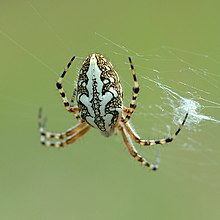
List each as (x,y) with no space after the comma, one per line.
(99,94)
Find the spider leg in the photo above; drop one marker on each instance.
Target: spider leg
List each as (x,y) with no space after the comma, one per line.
(129,111)
(73,110)
(63,135)
(69,136)
(125,111)
(73,98)
(142,142)
(66,141)
(133,151)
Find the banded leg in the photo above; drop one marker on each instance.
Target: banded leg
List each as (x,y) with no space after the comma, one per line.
(73,98)
(48,135)
(68,140)
(138,140)
(129,111)
(133,151)
(73,110)
(68,137)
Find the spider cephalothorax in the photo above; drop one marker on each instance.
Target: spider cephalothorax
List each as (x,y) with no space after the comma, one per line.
(99,104)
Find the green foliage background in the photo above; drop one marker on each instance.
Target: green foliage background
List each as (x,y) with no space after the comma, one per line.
(95,178)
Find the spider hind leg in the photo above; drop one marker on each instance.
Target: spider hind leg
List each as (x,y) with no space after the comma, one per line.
(133,151)
(149,143)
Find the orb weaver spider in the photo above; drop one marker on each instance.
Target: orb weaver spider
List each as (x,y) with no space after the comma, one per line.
(99,99)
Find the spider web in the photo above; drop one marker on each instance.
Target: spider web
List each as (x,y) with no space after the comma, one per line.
(167,73)
(170,75)
(178,86)
(187,97)
(156,70)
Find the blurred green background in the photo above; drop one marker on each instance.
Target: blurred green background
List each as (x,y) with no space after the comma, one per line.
(95,178)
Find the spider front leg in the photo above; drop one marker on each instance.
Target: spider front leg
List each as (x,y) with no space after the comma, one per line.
(73,110)
(129,111)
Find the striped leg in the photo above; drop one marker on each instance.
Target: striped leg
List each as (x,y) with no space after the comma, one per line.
(133,151)
(66,141)
(137,139)
(129,111)
(69,136)
(73,110)
(63,135)
(73,98)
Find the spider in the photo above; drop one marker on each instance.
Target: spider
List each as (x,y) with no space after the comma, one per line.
(99,98)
